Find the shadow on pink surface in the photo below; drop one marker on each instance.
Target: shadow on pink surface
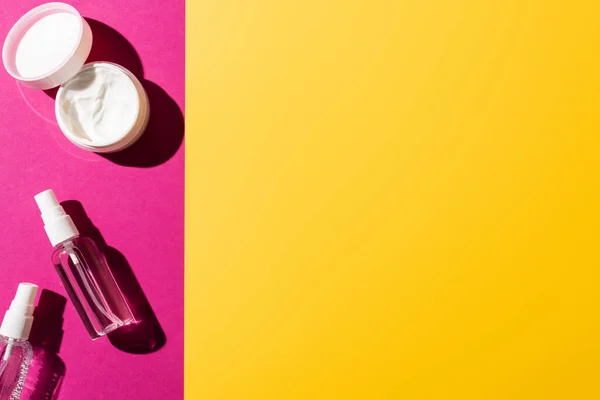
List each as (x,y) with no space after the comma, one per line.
(47,369)
(166,126)
(146,336)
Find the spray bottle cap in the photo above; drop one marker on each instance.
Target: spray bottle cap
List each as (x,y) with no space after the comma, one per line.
(58,225)
(19,317)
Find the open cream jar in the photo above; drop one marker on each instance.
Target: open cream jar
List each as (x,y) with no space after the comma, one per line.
(101,106)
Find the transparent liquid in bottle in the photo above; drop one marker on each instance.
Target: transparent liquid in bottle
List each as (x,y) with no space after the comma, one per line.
(91,286)
(14,369)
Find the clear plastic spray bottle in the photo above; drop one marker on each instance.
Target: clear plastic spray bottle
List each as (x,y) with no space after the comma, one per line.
(15,350)
(83,271)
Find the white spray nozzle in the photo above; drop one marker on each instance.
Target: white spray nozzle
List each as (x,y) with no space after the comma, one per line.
(47,203)
(59,226)
(24,300)
(19,317)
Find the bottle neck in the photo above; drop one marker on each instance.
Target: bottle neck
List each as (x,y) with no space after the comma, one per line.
(12,340)
(67,242)
(10,345)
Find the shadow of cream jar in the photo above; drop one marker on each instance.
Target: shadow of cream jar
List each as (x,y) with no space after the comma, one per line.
(101,106)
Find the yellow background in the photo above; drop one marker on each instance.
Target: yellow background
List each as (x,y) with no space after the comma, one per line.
(392,199)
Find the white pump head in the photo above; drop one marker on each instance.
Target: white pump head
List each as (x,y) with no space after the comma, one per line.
(58,225)
(19,317)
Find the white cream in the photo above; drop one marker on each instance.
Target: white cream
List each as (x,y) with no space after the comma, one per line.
(100,105)
(47,44)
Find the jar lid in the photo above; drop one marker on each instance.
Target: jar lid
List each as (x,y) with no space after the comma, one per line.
(47,46)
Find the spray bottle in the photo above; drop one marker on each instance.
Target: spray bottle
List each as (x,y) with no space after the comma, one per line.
(15,350)
(83,271)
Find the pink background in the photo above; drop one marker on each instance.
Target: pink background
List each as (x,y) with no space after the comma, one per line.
(135,199)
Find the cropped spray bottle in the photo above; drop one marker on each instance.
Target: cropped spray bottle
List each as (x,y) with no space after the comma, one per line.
(15,350)
(83,271)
